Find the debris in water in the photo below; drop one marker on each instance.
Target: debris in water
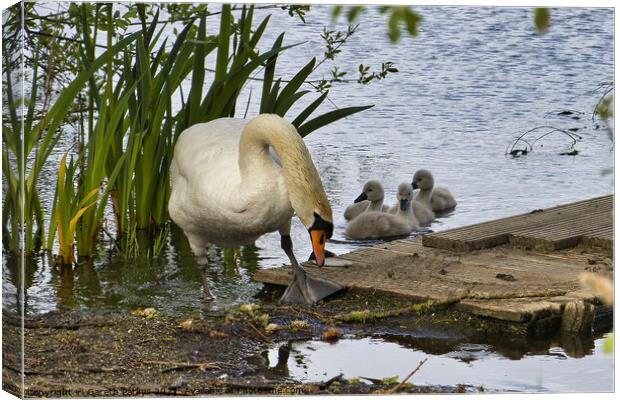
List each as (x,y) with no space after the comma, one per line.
(249,308)
(404,383)
(299,324)
(263,319)
(505,277)
(570,153)
(518,152)
(148,313)
(272,328)
(331,335)
(390,380)
(214,333)
(187,324)
(229,318)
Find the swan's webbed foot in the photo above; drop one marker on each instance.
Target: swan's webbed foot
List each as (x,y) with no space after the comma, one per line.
(307,289)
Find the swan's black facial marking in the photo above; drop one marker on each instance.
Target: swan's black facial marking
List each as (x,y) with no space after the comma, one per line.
(414,185)
(359,198)
(321,225)
(404,204)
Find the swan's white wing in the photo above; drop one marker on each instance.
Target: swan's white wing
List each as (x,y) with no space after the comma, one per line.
(208,197)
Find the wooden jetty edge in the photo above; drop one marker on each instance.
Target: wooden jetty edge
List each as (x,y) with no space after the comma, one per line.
(518,269)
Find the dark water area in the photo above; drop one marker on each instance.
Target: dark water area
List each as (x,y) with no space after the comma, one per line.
(470,82)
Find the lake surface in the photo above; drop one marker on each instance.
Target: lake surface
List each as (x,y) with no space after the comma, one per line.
(469,83)
(473,364)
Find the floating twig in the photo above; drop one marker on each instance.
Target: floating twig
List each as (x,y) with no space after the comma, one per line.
(397,387)
(308,312)
(262,335)
(327,383)
(530,144)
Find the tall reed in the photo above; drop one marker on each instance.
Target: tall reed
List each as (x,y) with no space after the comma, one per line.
(130,126)
(30,142)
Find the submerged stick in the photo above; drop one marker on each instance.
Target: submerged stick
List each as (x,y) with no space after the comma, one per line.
(397,387)
(262,336)
(530,146)
(327,383)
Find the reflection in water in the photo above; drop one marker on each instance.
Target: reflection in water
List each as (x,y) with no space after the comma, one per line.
(171,283)
(65,292)
(467,363)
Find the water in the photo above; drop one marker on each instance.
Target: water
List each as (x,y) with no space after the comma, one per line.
(546,370)
(473,80)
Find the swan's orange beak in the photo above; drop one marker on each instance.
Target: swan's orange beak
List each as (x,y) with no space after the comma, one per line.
(318,246)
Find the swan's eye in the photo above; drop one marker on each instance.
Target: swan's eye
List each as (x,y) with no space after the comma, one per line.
(370,190)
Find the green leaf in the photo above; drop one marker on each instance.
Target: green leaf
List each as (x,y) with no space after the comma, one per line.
(354,12)
(390,380)
(608,344)
(296,82)
(328,118)
(412,20)
(270,69)
(542,19)
(283,106)
(198,75)
(309,110)
(394,29)
(224,43)
(336,10)
(259,32)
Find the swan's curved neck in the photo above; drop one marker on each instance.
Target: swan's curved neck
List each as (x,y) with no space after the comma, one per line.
(302,180)
(376,205)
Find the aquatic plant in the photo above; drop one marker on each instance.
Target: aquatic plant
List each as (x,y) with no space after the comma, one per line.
(30,141)
(68,210)
(126,118)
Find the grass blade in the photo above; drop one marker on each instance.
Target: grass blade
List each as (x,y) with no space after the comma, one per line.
(328,118)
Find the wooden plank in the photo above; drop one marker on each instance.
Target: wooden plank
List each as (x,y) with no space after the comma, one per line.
(515,310)
(531,218)
(565,222)
(507,283)
(523,220)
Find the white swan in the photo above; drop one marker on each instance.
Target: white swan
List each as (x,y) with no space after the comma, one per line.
(377,224)
(371,199)
(438,198)
(227,190)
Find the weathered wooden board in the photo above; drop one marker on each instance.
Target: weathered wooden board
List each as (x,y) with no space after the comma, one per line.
(554,228)
(508,283)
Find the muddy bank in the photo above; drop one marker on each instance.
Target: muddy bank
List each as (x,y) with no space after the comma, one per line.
(148,353)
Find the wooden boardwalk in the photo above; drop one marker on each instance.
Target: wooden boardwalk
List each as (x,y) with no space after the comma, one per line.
(516,269)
